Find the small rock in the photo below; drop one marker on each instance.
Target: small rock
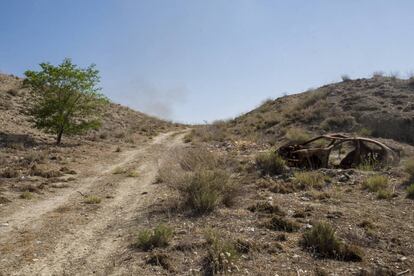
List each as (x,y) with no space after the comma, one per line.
(5,224)
(402,259)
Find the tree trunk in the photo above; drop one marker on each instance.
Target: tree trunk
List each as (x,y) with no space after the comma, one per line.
(59,136)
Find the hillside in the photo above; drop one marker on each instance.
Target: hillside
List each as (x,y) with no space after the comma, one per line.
(380,106)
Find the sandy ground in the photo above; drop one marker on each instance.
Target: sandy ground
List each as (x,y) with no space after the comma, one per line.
(62,235)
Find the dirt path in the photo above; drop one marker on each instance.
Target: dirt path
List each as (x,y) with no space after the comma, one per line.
(64,236)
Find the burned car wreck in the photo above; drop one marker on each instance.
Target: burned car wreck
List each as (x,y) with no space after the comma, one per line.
(317,152)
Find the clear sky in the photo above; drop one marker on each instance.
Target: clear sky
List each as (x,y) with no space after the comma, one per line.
(193,60)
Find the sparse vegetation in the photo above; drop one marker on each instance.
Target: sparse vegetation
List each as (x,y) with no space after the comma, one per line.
(410,191)
(204,190)
(65,98)
(119,170)
(311,179)
(266,207)
(341,123)
(92,199)
(160,236)
(322,240)
(221,255)
(26,195)
(279,223)
(270,163)
(297,135)
(375,183)
(409,167)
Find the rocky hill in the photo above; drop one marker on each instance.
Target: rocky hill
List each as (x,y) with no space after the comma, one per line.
(380,106)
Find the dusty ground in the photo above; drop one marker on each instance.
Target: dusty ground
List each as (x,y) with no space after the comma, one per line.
(59,234)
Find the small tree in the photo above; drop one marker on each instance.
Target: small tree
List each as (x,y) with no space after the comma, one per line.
(66,98)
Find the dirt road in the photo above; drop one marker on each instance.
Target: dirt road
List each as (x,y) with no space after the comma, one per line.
(62,235)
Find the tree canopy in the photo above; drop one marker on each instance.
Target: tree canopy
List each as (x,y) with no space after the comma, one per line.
(66,98)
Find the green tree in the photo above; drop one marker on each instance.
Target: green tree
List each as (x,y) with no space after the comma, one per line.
(66,99)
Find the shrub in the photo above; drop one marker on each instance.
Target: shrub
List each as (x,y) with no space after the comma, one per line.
(9,173)
(265,207)
(312,179)
(92,199)
(375,183)
(297,135)
(118,170)
(222,254)
(133,173)
(384,194)
(341,123)
(160,259)
(203,190)
(311,98)
(409,167)
(279,223)
(364,131)
(270,163)
(26,195)
(345,78)
(322,240)
(158,237)
(410,191)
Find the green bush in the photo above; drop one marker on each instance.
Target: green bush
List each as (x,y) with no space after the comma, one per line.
(375,183)
(322,240)
(410,191)
(158,237)
(270,163)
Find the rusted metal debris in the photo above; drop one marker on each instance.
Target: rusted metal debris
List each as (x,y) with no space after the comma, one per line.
(313,155)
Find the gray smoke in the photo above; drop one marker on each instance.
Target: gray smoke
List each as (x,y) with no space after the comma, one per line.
(153,100)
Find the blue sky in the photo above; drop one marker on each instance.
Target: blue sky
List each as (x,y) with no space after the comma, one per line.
(193,60)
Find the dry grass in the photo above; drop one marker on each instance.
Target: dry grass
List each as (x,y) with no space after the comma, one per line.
(222,254)
(92,199)
(409,167)
(160,236)
(279,223)
(322,240)
(375,183)
(26,195)
(410,191)
(270,163)
(297,135)
(311,179)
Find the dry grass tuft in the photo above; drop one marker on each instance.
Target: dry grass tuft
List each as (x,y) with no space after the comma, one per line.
(410,191)
(311,179)
(158,237)
(322,240)
(92,199)
(270,163)
(297,135)
(222,254)
(375,183)
(279,223)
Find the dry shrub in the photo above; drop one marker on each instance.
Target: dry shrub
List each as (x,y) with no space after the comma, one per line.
(345,78)
(200,180)
(410,191)
(409,167)
(297,135)
(222,254)
(160,236)
(322,240)
(161,259)
(266,207)
(92,199)
(279,223)
(342,123)
(375,183)
(270,163)
(216,132)
(9,173)
(311,98)
(312,179)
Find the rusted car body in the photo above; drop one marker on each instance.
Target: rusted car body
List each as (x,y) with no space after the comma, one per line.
(362,151)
